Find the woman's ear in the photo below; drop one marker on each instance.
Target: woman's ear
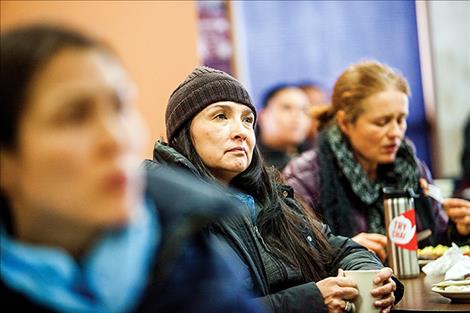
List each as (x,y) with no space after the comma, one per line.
(342,121)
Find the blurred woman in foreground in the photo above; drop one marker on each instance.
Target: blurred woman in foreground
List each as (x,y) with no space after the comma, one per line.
(77,233)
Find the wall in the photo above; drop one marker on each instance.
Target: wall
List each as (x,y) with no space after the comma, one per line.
(155,39)
(291,41)
(450,43)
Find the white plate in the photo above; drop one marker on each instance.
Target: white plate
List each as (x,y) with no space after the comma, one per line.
(453,295)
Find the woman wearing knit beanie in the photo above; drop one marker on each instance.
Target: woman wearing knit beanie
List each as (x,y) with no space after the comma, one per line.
(292,262)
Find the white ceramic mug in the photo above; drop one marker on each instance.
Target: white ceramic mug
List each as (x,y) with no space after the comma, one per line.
(364,279)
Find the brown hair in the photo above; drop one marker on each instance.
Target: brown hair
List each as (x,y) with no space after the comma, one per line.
(358,82)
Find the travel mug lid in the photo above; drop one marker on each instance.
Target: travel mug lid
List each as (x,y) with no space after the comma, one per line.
(392,192)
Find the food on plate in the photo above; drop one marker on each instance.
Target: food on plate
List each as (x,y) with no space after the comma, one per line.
(457,288)
(432,253)
(453,286)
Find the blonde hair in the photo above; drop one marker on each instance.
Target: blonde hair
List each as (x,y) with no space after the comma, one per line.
(358,82)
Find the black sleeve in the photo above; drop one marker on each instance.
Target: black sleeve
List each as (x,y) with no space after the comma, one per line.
(299,299)
(189,273)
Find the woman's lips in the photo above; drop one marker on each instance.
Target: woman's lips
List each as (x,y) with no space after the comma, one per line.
(116,182)
(391,148)
(237,149)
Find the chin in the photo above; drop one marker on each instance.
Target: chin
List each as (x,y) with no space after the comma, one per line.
(297,139)
(388,159)
(119,220)
(237,166)
(117,214)
(239,170)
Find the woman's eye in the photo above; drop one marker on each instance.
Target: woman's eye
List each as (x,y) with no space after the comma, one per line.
(248,119)
(382,122)
(221,116)
(79,111)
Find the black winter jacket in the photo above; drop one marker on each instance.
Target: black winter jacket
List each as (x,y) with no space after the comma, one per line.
(297,295)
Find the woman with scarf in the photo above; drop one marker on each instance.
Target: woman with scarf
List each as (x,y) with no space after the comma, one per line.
(77,233)
(292,262)
(362,149)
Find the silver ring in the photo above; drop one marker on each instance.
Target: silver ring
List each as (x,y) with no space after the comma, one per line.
(349,307)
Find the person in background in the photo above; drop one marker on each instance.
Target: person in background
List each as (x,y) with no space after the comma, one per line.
(284,124)
(78,233)
(463,189)
(361,150)
(319,103)
(458,208)
(315,92)
(292,262)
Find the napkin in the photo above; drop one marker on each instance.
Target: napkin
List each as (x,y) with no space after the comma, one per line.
(453,264)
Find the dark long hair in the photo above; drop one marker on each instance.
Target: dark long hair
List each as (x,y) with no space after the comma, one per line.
(282,227)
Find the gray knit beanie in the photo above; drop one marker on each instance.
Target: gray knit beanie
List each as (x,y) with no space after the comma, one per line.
(203,87)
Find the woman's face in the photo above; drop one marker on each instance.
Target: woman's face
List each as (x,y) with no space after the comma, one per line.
(224,138)
(285,117)
(377,133)
(80,140)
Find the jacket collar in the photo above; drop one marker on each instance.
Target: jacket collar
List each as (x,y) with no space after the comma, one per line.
(164,154)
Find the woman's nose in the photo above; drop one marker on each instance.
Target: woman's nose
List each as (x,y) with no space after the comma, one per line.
(395,130)
(238,130)
(111,135)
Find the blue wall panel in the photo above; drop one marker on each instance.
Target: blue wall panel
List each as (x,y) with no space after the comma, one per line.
(290,41)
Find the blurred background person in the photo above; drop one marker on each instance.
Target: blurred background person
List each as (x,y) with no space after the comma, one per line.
(319,102)
(315,92)
(458,208)
(77,233)
(284,124)
(463,188)
(361,150)
(292,262)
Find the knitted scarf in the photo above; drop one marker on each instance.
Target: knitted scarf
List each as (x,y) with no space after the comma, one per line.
(338,165)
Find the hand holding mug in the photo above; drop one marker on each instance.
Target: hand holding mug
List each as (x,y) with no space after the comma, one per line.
(338,292)
(375,290)
(385,290)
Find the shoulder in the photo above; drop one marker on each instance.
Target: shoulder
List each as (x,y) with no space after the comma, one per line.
(424,170)
(307,162)
(188,262)
(177,192)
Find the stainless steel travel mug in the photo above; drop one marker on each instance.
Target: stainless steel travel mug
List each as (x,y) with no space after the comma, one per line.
(400,225)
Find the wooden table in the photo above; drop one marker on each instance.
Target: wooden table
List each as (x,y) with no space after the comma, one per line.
(419,297)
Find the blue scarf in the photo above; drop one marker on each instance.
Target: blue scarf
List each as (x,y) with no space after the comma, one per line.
(250,205)
(111,277)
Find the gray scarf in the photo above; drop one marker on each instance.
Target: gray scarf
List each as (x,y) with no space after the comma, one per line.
(402,173)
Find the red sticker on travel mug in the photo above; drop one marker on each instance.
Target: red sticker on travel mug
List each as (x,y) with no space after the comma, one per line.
(402,230)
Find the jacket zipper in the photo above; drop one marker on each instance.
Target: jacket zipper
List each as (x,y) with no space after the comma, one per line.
(273,256)
(258,234)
